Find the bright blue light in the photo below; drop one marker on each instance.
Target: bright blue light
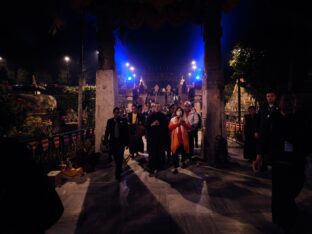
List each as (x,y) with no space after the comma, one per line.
(197,77)
(129,78)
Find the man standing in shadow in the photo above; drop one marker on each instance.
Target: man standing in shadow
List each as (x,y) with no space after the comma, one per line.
(265,116)
(116,135)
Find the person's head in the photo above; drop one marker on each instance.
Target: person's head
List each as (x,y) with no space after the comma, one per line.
(252,110)
(270,97)
(287,103)
(134,108)
(116,112)
(156,88)
(187,106)
(157,107)
(168,88)
(179,112)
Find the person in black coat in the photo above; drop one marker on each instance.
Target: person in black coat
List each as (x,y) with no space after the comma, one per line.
(116,135)
(136,124)
(157,131)
(285,134)
(265,116)
(251,122)
(28,200)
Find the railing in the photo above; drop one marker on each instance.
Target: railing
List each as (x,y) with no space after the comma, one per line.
(234,131)
(50,151)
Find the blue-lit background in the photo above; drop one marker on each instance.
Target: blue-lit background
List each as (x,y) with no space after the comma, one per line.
(165,50)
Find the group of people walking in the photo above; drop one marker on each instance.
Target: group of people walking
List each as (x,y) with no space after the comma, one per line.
(168,135)
(276,136)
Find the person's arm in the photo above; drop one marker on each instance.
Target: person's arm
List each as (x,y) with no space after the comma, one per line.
(172,125)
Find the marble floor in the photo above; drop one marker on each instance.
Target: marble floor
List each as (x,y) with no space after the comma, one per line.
(199,199)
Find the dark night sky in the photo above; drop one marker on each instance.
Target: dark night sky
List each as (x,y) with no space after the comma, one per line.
(25,37)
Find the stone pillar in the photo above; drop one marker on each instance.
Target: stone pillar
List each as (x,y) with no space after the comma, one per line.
(129,97)
(198,100)
(106,80)
(213,84)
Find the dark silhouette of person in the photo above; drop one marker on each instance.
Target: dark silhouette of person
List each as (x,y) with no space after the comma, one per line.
(116,135)
(28,200)
(265,113)
(157,131)
(289,146)
(251,122)
(135,123)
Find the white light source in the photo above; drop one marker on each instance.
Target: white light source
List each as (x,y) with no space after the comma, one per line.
(132,68)
(97,52)
(67,59)
(194,67)
(127,64)
(134,75)
(189,74)
(1,58)
(193,62)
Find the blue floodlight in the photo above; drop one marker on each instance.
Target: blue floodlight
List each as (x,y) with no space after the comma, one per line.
(197,77)
(129,78)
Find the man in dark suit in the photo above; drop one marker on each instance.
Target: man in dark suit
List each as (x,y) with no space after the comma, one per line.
(265,116)
(286,131)
(136,124)
(116,135)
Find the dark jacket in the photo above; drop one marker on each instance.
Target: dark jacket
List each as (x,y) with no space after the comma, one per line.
(139,121)
(251,125)
(264,119)
(28,201)
(110,131)
(278,129)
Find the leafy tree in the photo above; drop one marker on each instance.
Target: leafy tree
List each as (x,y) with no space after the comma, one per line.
(249,64)
(11,114)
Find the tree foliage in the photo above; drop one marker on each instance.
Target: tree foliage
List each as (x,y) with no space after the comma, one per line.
(11,113)
(248,66)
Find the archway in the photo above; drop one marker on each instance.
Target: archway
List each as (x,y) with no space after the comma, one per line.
(207,13)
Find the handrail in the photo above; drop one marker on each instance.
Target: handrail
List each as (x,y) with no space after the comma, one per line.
(50,151)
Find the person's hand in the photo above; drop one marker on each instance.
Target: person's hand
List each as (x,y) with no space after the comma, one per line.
(256,165)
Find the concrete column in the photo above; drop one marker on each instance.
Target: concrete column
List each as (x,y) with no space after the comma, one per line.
(106,100)
(129,97)
(106,80)
(198,100)
(213,84)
